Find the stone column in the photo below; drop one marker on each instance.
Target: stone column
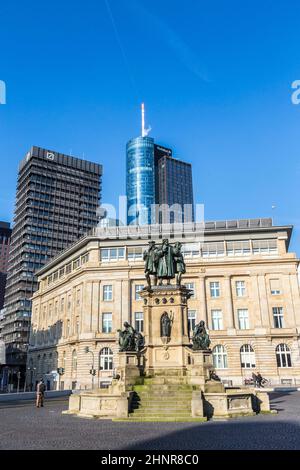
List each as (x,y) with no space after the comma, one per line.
(294,285)
(202,299)
(228,302)
(264,306)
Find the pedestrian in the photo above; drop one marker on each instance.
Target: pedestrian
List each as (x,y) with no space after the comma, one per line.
(254,379)
(259,379)
(40,394)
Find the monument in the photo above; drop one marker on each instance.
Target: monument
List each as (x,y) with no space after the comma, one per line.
(165,374)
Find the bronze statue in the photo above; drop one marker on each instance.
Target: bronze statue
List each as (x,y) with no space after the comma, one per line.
(163,263)
(130,339)
(165,325)
(151,262)
(139,341)
(165,268)
(200,338)
(180,267)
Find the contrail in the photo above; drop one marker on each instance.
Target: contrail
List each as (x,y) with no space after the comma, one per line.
(118,38)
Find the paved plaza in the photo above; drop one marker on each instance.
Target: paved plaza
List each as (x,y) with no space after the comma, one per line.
(25,427)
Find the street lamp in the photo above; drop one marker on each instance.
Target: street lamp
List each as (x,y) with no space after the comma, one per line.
(32,370)
(60,372)
(92,370)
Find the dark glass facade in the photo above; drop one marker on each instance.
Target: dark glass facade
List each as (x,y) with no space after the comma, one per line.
(56,204)
(175,189)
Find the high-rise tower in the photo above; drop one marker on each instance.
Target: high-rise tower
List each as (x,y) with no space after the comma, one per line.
(153,176)
(56,204)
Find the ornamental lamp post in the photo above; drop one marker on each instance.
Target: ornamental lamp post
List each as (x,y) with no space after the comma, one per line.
(60,372)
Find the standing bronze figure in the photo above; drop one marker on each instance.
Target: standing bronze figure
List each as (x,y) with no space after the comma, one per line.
(164,262)
(180,267)
(165,268)
(151,262)
(165,325)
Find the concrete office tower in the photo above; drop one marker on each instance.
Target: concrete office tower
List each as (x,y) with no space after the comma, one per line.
(5,234)
(56,204)
(153,176)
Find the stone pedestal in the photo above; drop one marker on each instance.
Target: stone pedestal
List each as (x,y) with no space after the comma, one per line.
(166,355)
(115,401)
(131,365)
(199,367)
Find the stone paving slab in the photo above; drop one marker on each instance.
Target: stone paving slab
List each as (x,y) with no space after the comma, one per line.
(25,427)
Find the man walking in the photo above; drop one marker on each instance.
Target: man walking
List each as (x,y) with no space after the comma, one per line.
(40,393)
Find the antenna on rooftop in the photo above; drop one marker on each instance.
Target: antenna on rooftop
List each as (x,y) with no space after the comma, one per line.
(145,131)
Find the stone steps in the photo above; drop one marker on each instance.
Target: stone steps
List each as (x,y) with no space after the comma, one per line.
(161,406)
(163,399)
(159,419)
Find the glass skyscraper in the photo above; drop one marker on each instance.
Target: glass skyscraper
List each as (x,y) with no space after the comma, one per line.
(155,177)
(140,180)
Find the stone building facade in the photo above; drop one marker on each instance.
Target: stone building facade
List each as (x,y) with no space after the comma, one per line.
(245,286)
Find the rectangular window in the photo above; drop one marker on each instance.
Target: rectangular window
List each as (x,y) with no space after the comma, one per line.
(191,322)
(240,288)
(265,246)
(108,293)
(215,289)
(107,323)
(78,298)
(62,305)
(139,321)
(68,268)
(278,317)
(243,318)
(68,329)
(138,288)
(217,319)
(135,253)
(77,326)
(191,286)
(238,248)
(112,254)
(85,258)
(213,250)
(275,287)
(191,250)
(76,263)
(69,302)
(61,272)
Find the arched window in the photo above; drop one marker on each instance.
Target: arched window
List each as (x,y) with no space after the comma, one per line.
(74,361)
(106,359)
(283,356)
(220,357)
(247,357)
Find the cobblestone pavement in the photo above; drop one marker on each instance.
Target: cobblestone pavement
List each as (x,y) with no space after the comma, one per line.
(25,427)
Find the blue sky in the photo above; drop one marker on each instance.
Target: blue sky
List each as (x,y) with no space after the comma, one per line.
(215,76)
